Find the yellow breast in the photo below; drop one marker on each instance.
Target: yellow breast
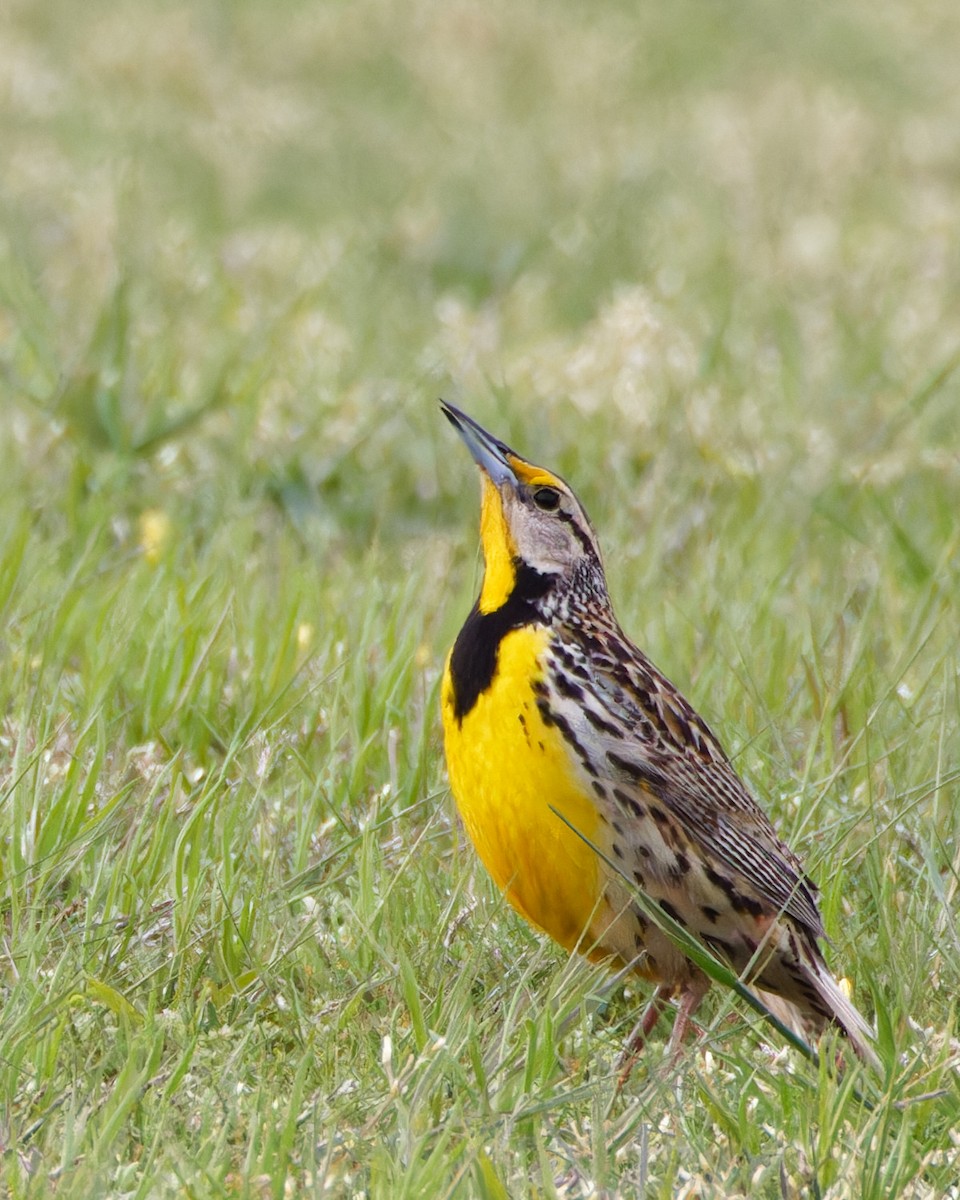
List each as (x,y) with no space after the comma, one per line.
(507,769)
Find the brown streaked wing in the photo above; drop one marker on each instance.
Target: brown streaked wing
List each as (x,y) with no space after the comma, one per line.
(701,788)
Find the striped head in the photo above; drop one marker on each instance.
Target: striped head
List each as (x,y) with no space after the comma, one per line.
(534,531)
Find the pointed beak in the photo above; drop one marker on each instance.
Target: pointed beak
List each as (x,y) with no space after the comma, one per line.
(490,454)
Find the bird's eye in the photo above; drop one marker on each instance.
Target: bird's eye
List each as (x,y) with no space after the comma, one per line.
(547,498)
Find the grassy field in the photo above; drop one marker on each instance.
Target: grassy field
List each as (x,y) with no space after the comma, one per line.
(702,259)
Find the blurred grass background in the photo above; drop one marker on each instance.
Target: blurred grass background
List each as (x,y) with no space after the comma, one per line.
(703,259)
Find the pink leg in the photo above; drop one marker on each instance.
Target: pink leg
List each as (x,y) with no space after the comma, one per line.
(690,998)
(640,1032)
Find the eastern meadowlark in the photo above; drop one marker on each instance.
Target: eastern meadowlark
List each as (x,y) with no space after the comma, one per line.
(563,739)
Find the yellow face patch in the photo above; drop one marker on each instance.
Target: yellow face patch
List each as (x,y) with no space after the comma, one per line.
(533,476)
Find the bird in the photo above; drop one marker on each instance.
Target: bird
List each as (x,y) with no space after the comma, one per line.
(584,778)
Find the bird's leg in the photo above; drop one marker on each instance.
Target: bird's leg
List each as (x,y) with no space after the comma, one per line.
(640,1032)
(690,997)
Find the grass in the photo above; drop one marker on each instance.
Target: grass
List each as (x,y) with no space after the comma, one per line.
(700,259)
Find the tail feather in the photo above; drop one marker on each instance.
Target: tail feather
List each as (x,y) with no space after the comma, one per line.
(847,1016)
(842,1012)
